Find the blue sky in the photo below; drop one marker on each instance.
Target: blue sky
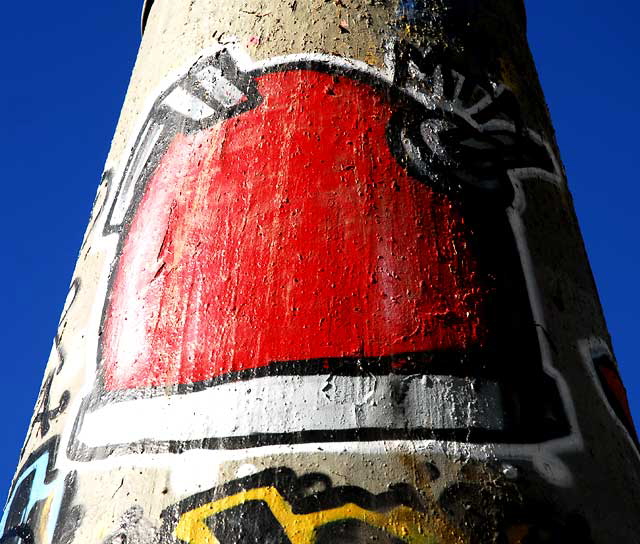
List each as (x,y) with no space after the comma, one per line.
(66,67)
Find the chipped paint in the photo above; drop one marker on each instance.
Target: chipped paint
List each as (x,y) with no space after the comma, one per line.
(318,297)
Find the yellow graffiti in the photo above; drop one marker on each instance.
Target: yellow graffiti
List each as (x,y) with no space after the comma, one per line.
(41,526)
(401,522)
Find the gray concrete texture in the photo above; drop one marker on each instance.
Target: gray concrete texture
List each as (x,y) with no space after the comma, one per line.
(332,290)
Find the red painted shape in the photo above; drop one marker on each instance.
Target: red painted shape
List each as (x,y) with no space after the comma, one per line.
(288,232)
(617,395)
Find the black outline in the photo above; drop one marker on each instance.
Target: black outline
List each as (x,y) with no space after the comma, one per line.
(146,9)
(301,493)
(604,360)
(51,447)
(69,515)
(481,172)
(23,532)
(46,415)
(486,203)
(107,180)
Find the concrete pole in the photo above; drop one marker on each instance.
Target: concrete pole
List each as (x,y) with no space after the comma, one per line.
(332,290)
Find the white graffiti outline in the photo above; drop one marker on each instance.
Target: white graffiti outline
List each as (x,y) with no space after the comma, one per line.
(590,349)
(545,456)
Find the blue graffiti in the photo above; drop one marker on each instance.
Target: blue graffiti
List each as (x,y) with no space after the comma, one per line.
(43,485)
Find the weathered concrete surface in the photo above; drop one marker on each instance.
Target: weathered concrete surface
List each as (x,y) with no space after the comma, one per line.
(332,290)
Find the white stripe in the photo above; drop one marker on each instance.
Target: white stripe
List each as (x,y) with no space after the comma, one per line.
(285,404)
(219,86)
(148,141)
(187,104)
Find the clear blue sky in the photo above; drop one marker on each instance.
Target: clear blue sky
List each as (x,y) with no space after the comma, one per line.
(65,71)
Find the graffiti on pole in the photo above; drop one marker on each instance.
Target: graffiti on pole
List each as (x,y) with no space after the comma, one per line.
(40,507)
(403,280)
(277,506)
(601,364)
(406,271)
(45,413)
(134,527)
(342,248)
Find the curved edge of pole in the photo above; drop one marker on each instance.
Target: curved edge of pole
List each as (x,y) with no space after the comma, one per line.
(146,8)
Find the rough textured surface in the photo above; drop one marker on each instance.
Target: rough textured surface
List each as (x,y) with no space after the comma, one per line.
(332,290)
